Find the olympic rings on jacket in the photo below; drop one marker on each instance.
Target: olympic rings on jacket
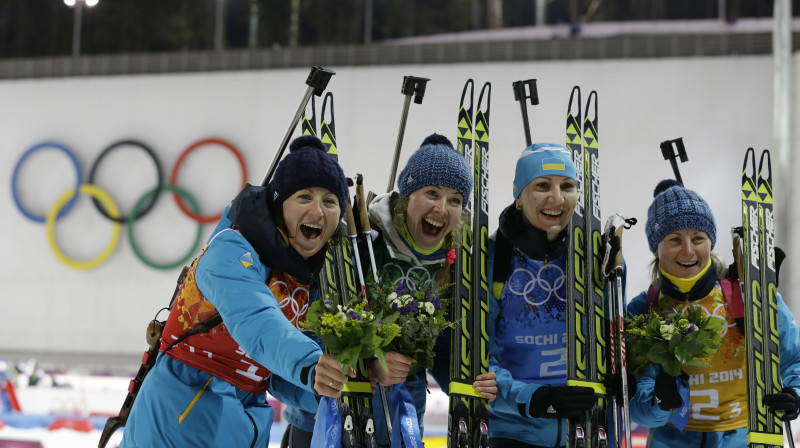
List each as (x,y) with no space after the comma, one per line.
(108,208)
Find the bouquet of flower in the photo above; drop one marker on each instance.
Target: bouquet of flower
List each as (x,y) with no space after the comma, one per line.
(420,316)
(682,337)
(351,332)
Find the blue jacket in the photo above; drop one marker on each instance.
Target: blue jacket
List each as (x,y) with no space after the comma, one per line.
(646,412)
(224,415)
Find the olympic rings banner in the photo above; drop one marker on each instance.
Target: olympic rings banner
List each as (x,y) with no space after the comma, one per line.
(108,208)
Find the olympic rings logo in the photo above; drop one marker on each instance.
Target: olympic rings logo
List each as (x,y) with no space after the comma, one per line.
(536,282)
(297,302)
(108,208)
(416,278)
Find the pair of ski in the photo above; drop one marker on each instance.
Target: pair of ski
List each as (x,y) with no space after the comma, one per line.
(758,276)
(343,277)
(586,319)
(594,325)
(468,412)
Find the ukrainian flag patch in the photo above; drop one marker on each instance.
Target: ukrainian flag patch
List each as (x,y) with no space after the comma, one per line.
(246,259)
(551,164)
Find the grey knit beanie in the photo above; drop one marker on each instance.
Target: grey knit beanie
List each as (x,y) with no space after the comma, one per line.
(674,208)
(436,163)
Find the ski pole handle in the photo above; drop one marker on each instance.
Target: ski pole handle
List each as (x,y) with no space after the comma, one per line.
(366,229)
(412,86)
(317,81)
(669,154)
(521,94)
(362,204)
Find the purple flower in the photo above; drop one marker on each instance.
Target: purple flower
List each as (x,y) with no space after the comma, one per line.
(354,315)
(401,289)
(328,303)
(668,320)
(691,328)
(670,312)
(436,302)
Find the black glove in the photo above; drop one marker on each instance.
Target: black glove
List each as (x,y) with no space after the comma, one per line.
(666,390)
(562,401)
(786,401)
(613,383)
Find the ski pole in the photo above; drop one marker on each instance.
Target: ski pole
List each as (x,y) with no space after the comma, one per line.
(317,81)
(353,234)
(412,86)
(669,154)
(521,94)
(613,268)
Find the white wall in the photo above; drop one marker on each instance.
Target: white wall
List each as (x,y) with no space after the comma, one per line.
(720,106)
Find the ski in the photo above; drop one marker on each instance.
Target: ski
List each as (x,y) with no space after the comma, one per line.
(468,412)
(761,300)
(480,298)
(586,322)
(577,258)
(458,424)
(596,321)
(339,278)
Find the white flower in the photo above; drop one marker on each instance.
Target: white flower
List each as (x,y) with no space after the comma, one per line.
(667,331)
(406,298)
(341,316)
(391,297)
(429,308)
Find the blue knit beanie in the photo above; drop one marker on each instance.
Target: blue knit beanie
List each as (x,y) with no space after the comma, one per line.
(539,160)
(436,163)
(307,165)
(674,208)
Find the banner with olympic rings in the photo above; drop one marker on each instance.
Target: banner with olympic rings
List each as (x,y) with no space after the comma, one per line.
(107,207)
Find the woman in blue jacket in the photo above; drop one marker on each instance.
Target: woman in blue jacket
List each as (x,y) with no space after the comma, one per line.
(527,310)
(681,233)
(256,272)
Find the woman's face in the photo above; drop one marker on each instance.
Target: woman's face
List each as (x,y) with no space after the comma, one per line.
(432,213)
(547,203)
(311,216)
(684,253)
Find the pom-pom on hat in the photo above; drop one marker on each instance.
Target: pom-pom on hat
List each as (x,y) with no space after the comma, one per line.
(540,160)
(436,163)
(674,208)
(307,165)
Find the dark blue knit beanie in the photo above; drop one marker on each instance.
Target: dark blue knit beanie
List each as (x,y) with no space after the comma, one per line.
(307,165)
(436,163)
(674,208)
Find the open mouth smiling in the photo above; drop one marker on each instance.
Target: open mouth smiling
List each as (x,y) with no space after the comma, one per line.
(432,227)
(311,231)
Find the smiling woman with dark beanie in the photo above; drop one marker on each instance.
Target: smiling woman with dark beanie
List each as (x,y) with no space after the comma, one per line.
(256,273)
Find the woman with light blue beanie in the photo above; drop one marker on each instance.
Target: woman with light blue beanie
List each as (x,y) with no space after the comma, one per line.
(681,233)
(527,308)
(416,230)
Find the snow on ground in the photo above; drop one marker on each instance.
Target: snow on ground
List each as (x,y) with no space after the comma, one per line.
(81,395)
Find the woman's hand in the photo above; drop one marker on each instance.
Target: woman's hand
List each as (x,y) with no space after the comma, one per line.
(398,369)
(486,385)
(328,378)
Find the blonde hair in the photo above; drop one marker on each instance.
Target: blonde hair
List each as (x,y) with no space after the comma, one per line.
(452,240)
